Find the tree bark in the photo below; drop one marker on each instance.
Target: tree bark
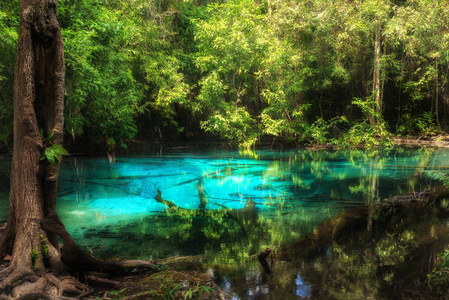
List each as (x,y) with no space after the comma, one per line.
(376,76)
(437,109)
(38,105)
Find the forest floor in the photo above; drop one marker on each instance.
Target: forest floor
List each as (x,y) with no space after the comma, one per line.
(177,278)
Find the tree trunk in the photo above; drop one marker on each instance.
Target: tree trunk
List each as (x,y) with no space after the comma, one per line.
(38,105)
(376,76)
(28,236)
(437,109)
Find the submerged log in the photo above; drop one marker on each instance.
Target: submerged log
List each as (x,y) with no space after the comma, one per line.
(325,233)
(246,217)
(247,212)
(333,228)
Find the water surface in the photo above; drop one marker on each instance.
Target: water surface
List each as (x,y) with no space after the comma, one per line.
(111,210)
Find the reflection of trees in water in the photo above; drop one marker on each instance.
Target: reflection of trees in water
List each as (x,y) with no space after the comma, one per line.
(344,257)
(310,187)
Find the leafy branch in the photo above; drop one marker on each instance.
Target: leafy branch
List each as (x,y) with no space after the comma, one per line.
(52,152)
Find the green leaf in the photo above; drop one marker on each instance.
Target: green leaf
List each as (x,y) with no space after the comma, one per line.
(189,294)
(53,152)
(51,136)
(50,155)
(59,150)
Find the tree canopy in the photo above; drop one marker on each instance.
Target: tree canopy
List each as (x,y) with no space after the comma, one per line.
(309,71)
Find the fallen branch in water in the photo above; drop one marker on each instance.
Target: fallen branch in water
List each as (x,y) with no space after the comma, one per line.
(333,228)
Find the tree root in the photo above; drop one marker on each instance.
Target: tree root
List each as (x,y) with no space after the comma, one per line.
(77,260)
(22,284)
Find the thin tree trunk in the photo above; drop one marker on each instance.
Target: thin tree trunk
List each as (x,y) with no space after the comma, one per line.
(436,95)
(376,75)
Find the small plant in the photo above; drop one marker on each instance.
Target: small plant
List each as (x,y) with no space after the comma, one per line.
(34,257)
(367,134)
(426,124)
(111,294)
(175,285)
(197,290)
(438,279)
(52,152)
(44,247)
(321,130)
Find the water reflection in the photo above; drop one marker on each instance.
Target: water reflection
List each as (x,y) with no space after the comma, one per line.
(303,289)
(112,209)
(293,190)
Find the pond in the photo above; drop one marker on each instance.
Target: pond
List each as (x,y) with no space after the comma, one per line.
(226,206)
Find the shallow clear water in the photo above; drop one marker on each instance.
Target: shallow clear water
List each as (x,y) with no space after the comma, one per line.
(110,207)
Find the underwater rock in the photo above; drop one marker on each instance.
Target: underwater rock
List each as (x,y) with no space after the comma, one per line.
(143,187)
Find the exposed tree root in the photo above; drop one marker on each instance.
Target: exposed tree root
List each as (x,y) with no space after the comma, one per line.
(23,284)
(77,260)
(18,282)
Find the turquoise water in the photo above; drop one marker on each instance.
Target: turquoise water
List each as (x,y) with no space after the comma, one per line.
(111,210)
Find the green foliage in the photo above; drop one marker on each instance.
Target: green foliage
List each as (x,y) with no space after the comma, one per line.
(426,124)
(102,95)
(250,71)
(44,244)
(9,23)
(438,279)
(52,152)
(298,72)
(368,136)
(323,132)
(197,290)
(169,286)
(113,294)
(364,134)
(437,175)
(423,125)
(234,124)
(34,257)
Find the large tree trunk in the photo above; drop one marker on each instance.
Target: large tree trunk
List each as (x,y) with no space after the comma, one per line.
(38,105)
(30,233)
